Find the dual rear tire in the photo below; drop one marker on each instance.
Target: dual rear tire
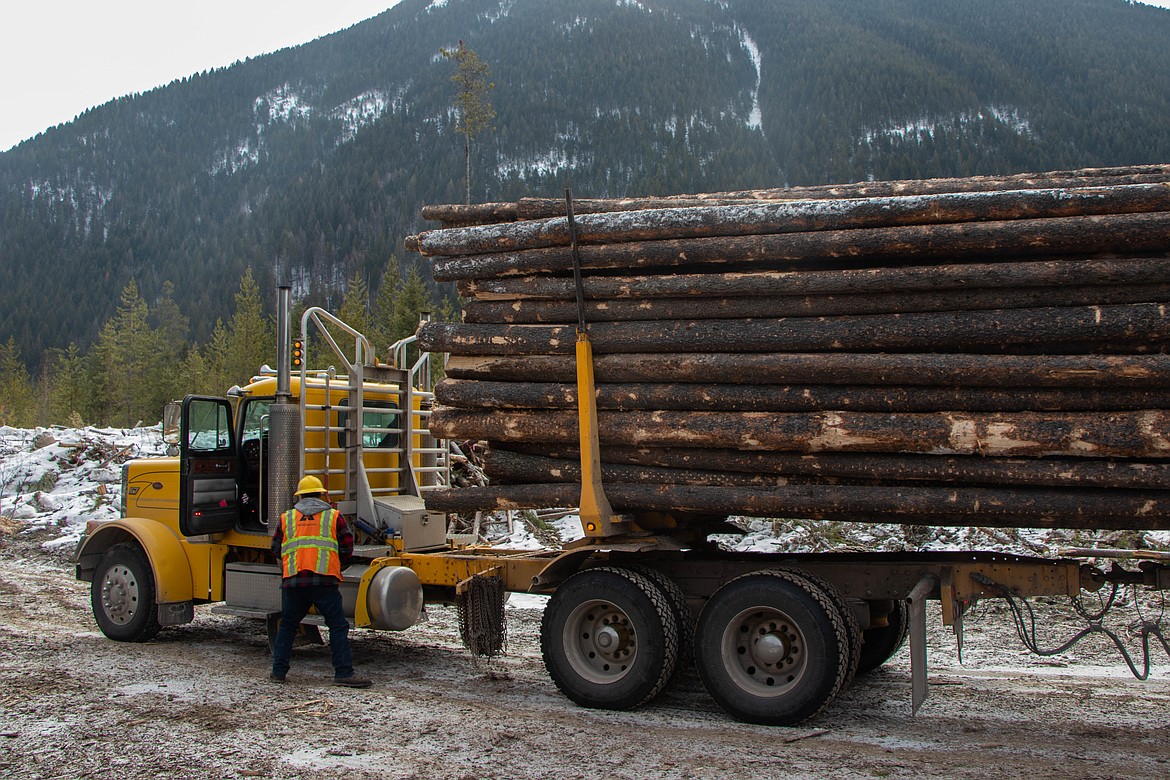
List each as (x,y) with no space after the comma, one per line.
(771,647)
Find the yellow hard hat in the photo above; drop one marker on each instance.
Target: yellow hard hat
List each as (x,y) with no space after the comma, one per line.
(309,485)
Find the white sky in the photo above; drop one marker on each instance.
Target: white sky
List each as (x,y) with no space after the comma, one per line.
(60,57)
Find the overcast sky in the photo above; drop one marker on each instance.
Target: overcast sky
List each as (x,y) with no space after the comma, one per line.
(60,57)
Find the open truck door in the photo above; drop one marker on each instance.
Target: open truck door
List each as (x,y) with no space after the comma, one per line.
(208,452)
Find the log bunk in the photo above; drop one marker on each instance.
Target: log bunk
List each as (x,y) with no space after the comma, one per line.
(987,351)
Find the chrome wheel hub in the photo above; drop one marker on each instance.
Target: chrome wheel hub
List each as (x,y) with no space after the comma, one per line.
(119,594)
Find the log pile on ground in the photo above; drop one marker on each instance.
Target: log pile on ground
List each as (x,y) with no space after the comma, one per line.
(983,351)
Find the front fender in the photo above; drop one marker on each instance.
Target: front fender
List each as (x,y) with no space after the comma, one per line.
(168,560)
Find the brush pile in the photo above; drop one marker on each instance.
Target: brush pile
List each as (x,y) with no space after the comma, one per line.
(977,352)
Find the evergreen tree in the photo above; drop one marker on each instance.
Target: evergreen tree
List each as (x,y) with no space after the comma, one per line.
(17,406)
(471,99)
(216,377)
(69,387)
(125,350)
(173,328)
(384,307)
(355,307)
(250,340)
(411,301)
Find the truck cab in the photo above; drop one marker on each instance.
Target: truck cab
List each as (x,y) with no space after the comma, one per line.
(196,526)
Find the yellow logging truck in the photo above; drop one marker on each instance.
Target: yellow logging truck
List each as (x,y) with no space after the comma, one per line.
(775,637)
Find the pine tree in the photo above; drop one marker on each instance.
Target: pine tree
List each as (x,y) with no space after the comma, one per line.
(471,99)
(385,304)
(17,405)
(249,335)
(125,350)
(173,328)
(216,378)
(355,306)
(69,385)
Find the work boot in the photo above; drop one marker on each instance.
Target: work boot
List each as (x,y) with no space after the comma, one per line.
(352,682)
(279,678)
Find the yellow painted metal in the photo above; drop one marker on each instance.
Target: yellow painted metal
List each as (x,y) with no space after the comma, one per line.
(518,570)
(168,560)
(1038,578)
(597,518)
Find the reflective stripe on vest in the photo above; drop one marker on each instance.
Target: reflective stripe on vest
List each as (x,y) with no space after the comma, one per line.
(309,543)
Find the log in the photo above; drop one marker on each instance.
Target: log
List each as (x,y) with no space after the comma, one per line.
(565,312)
(1140,434)
(1135,371)
(471,394)
(503,466)
(794,217)
(543,208)
(993,507)
(1039,472)
(1116,234)
(1128,328)
(1020,274)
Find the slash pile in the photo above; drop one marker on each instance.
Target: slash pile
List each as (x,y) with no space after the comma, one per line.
(980,351)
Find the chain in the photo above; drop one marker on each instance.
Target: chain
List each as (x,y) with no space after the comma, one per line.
(482,627)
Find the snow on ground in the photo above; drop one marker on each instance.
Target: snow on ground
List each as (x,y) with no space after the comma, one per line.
(59,478)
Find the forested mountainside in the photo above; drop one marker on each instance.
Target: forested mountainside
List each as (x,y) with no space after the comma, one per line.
(310,165)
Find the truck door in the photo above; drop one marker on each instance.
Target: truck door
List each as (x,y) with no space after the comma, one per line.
(208,494)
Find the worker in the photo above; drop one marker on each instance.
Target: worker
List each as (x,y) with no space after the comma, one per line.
(313,543)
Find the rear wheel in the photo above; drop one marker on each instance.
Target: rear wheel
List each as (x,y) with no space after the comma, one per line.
(771,648)
(609,638)
(879,644)
(122,595)
(681,610)
(852,627)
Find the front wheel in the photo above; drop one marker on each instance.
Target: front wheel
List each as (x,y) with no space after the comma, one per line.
(609,638)
(122,595)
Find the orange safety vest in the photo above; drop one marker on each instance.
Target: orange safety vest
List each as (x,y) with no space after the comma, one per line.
(310,543)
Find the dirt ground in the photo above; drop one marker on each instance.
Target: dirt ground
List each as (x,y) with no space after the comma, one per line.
(196,703)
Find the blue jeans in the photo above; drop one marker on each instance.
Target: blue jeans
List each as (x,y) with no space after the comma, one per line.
(295,603)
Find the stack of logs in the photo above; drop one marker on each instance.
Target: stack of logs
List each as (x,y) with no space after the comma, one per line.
(981,351)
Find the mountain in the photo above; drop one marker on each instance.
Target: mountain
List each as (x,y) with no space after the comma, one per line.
(311,164)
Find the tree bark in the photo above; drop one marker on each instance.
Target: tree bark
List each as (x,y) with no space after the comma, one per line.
(995,507)
(795,217)
(471,394)
(1101,371)
(922,279)
(543,208)
(1118,234)
(884,467)
(565,312)
(1129,328)
(1141,434)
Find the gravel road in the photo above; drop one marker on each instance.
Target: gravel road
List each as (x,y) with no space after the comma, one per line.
(196,703)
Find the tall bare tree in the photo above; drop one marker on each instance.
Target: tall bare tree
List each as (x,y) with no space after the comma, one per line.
(474,110)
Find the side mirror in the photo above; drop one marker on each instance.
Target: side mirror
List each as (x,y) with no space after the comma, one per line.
(173,423)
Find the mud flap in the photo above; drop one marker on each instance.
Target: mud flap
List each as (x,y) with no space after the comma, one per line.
(176,613)
(917,603)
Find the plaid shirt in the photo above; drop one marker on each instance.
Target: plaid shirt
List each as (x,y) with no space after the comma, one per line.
(307,579)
